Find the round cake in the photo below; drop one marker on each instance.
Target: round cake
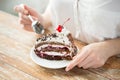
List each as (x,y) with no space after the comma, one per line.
(56,46)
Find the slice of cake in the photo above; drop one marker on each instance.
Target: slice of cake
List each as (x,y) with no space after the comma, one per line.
(56,46)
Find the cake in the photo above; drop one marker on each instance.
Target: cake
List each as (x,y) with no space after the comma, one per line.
(56,46)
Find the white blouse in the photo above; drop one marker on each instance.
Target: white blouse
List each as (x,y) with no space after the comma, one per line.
(90,20)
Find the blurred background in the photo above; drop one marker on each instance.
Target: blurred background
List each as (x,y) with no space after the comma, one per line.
(8,5)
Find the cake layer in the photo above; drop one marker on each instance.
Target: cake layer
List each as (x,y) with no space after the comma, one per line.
(56,53)
(55,48)
(52,57)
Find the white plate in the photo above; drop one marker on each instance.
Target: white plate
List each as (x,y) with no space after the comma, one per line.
(53,64)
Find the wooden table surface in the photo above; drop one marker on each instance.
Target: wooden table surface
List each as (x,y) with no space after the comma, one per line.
(16,64)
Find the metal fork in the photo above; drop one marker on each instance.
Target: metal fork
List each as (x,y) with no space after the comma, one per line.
(37,27)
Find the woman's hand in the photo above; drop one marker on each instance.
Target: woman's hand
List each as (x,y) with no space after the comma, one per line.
(92,56)
(23,11)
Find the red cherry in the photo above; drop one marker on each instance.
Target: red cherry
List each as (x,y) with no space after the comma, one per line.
(59,28)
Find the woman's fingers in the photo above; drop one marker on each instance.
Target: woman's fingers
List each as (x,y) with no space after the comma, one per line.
(27,27)
(88,65)
(78,59)
(24,11)
(86,61)
(31,11)
(21,9)
(25,17)
(24,22)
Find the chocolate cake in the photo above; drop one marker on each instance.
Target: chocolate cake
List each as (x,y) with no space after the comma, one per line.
(56,46)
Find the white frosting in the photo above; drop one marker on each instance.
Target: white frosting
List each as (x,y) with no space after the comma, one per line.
(46,45)
(55,53)
(61,38)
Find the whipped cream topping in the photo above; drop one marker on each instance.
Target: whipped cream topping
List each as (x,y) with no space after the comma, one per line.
(61,37)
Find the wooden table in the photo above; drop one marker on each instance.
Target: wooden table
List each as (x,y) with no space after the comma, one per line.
(16,64)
